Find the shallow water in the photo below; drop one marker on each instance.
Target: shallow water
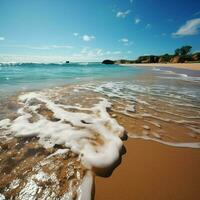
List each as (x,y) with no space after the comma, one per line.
(88,117)
(26,76)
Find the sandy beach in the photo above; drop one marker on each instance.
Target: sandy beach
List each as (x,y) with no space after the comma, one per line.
(160,117)
(189,66)
(100,100)
(150,170)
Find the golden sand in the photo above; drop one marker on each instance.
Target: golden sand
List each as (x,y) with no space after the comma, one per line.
(150,170)
(190,66)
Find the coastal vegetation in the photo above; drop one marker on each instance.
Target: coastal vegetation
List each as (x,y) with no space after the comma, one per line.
(181,55)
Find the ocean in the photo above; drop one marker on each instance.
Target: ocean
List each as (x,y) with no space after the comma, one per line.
(27,76)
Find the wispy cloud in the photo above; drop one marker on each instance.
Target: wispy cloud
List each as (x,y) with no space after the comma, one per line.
(93,53)
(50,47)
(96,52)
(61,46)
(191,27)
(137,20)
(76,34)
(89,52)
(45,47)
(126,41)
(88,38)
(131,1)
(2,38)
(122,14)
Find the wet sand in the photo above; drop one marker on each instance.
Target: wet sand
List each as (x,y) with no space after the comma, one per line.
(189,66)
(150,170)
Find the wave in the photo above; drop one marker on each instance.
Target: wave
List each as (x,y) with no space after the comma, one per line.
(6,64)
(195,145)
(177,73)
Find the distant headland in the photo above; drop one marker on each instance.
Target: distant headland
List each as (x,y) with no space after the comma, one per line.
(181,55)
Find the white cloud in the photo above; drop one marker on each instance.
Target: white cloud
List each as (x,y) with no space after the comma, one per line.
(137,20)
(88,38)
(122,14)
(2,38)
(126,41)
(191,27)
(89,52)
(92,53)
(85,37)
(75,34)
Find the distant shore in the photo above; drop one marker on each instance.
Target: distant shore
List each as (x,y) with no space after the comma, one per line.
(189,66)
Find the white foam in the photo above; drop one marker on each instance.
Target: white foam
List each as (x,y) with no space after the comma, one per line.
(184,75)
(85,189)
(4,123)
(194,145)
(76,130)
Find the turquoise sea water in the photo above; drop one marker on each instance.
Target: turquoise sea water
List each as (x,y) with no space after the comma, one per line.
(33,76)
(26,76)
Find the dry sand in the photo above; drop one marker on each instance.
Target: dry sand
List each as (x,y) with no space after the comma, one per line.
(190,66)
(150,170)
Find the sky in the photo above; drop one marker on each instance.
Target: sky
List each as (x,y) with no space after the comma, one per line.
(93,30)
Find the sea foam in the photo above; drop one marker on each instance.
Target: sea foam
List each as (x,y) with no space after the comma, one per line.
(94,136)
(195,145)
(89,132)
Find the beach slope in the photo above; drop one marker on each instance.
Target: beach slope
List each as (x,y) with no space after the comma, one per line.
(151,170)
(189,66)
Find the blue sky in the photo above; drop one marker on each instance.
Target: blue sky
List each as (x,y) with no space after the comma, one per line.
(92,30)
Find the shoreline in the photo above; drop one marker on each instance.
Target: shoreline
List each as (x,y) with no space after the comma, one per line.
(150,170)
(144,168)
(188,66)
